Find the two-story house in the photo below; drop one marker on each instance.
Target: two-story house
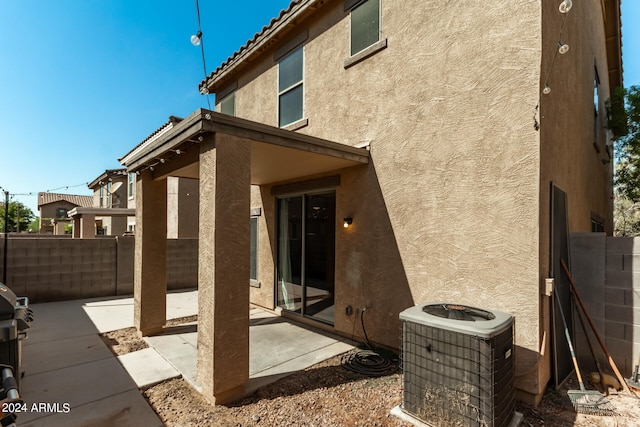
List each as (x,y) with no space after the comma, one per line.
(53,209)
(379,154)
(108,214)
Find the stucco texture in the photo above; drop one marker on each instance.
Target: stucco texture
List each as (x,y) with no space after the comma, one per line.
(454,203)
(455,155)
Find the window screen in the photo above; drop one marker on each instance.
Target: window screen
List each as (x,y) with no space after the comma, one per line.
(228,104)
(365,25)
(290,87)
(254,249)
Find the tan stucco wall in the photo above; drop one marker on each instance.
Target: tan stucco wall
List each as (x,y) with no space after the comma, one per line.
(264,294)
(454,205)
(182,207)
(567,154)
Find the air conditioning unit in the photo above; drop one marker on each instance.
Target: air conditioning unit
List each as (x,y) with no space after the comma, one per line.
(458,365)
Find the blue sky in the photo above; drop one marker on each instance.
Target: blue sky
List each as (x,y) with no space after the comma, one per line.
(82,82)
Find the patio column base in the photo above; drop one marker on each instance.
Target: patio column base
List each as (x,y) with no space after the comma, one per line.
(149,332)
(228,396)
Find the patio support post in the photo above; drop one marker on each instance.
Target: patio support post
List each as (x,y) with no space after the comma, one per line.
(150,276)
(87,226)
(223,267)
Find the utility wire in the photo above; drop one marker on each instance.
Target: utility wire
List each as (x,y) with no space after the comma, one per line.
(204,64)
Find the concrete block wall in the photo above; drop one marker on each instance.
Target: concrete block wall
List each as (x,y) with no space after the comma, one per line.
(58,269)
(606,271)
(182,263)
(54,269)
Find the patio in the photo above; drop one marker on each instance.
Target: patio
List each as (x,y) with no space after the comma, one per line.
(66,362)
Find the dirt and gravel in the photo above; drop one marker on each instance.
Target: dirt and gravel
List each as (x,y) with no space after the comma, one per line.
(327,394)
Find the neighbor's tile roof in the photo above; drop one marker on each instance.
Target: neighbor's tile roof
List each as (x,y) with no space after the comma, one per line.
(265,30)
(173,120)
(46,198)
(106,174)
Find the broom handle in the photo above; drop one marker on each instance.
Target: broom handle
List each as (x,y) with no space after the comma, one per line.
(566,334)
(593,327)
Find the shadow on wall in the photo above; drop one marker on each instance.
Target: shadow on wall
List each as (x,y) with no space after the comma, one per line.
(370,275)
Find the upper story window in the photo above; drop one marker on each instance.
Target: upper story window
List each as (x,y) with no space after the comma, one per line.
(596,110)
(228,104)
(131,187)
(290,87)
(365,25)
(101,197)
(108,194)
(61,212)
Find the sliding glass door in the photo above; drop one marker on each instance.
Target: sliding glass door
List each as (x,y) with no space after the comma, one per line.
(306,255)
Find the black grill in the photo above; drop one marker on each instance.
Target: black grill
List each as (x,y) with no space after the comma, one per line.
(15,319)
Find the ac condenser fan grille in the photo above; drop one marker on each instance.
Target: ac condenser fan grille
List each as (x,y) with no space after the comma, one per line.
(458,312)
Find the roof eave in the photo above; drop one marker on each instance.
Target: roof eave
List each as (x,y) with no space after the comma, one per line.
(152,151)
(613,34)
(260,43)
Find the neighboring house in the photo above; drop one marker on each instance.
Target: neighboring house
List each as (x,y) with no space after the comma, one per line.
(54,207)
(108,214)
(182,193)
(454,142)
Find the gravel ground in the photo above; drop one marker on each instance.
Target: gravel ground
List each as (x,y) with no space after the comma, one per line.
(327,394)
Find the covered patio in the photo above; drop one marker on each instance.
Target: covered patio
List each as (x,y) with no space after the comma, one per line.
(227,155)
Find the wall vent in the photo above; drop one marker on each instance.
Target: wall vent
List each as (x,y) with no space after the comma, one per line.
(458,365)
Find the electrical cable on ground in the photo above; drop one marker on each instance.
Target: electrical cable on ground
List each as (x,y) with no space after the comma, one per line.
(367,361)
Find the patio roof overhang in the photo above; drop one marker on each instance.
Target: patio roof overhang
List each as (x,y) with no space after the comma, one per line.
(276,154)
(113,212)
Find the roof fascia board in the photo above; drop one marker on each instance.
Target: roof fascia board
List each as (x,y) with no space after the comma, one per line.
(181,132)
(256,46)
(140,148)
(271,135)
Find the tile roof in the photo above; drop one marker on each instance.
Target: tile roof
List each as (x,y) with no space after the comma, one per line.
(46,198)
(265,32)
(173,120)
(107,174)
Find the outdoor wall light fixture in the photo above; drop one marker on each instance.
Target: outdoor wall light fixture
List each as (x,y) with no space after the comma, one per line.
(546,90)
(347,222)
(562,48)
(565,6)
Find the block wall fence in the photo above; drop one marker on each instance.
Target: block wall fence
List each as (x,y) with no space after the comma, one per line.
(59,268)
(606,271)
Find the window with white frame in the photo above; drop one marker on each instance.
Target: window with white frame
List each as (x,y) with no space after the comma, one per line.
(101,196)
(253,276)
(290,87)
(108,194)
(596,110)
(228,104)
(132,185)
(365,25)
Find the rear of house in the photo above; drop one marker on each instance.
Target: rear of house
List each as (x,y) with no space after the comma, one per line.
(448,147)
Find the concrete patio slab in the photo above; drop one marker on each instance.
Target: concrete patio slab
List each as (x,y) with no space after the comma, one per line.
(128,409)
(75,385)
(278,347)
(65,360)
(46,356)
(147,367)
(179,346)
(117,313)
